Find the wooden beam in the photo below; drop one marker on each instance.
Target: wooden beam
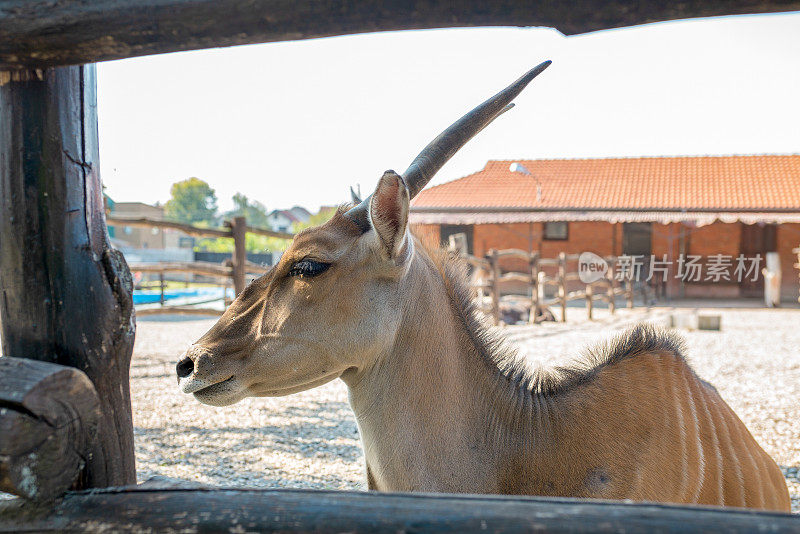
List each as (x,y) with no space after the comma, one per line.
(178,310)
(40,33)
(66,293)
(185,228)
(239,259)
(177,509)
(196,267)
(48,422)
(193,230)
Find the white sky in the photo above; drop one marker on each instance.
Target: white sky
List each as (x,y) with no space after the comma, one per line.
(298,122)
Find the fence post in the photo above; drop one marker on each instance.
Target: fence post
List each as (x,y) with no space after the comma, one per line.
(612,297)
(562,284)
(239,233)
(540,284)
(161,285)
(629,294)
(534,288)
(494,265)
(589,303)
(67,294)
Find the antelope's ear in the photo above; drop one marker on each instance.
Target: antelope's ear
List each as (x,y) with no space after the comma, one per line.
(388,213)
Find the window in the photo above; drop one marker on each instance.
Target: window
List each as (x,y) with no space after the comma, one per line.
(556,230)
(446,230)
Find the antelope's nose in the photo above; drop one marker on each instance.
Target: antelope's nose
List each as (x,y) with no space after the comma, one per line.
(185,367)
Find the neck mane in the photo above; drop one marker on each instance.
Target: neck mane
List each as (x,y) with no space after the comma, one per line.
(488,345)
(519,376)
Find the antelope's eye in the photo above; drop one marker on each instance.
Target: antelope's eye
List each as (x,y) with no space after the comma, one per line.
(308,267)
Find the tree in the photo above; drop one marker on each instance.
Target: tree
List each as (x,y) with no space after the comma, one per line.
(254,211)
(193,201)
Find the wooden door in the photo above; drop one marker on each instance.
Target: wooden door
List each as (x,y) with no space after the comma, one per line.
(756,239)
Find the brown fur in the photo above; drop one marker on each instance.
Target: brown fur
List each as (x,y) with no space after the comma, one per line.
(443,405)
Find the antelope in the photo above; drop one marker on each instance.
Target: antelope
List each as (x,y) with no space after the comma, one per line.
(442,405)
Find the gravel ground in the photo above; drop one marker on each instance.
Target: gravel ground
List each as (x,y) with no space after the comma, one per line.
(309,440)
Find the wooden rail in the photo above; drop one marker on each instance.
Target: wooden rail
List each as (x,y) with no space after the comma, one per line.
(49,415)
(203,268)
(195,230)
(237,229)
(536,280)
(37,34)
(205,509)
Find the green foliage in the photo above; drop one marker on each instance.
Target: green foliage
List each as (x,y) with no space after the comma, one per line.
(322,216)
(193,201)
(255,211)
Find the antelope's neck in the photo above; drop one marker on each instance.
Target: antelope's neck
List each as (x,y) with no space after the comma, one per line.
(434,413)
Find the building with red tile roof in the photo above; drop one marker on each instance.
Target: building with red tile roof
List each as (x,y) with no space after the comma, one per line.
(699,205)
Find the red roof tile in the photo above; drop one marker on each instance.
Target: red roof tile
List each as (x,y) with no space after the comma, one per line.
(674,183)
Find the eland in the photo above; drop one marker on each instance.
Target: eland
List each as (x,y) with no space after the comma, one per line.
(442,405)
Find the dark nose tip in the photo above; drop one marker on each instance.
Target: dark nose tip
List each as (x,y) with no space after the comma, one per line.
(184,367)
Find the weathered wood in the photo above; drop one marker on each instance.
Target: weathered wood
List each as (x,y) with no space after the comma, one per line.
(149,509)
(515,277)
(239,263)
(189,229)
(66,292)
(610,293)
(185,228)
(494,263)
(48,421)
(39,33)
(534,270)
(629,294)
(514,253)
(562,285)
(196,267)
(179,310)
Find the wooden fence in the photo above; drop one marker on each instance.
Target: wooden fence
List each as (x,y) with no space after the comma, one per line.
(535,281)
(67,292)
(236,271)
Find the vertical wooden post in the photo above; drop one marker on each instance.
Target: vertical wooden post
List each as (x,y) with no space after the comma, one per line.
(495,267)
(67,295)
(589,300)
(629,293)
(534,288)
(540,287)
(611,294)
(239,232)
(161,286)
(562,284)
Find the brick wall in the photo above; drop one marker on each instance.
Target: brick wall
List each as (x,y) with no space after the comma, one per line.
(716,238)
(606,239)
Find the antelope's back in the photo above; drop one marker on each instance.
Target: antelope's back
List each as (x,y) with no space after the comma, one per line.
(693,448)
